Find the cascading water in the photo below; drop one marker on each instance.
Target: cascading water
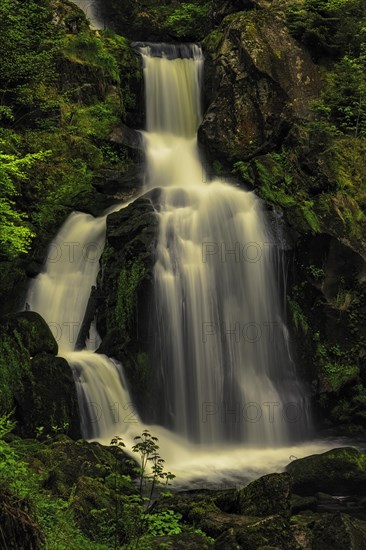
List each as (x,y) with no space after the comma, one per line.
(60,294)
(225,368)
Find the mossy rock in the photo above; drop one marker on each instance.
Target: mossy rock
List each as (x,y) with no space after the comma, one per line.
(267,495)
(64,461)
(47,398)
(183,541)
(200,509)
(328,531)
(271,532)
(32,330)
(253,89)
(339,471)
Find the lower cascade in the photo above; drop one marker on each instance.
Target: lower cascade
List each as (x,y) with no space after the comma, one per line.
(222,357)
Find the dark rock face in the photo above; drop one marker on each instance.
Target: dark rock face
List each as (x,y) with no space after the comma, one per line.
(257,81)
(48,397)
(339,471)
(122,185)
(330,289)
(125,290)
(37,383)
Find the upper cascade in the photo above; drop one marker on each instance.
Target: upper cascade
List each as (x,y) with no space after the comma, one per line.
(172,75)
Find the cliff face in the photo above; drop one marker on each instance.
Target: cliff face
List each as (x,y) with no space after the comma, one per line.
(258,81)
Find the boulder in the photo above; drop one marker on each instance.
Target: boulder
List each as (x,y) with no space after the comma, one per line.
(47,398)
(31,330)
(337,472)
(258,80)
(270,494)
(272,532)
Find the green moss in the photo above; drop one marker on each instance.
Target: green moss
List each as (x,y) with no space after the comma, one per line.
(14,365)
(87,49)
(128,282)
(298,316)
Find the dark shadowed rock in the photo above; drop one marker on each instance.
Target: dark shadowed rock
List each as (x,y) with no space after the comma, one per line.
(47,398)
(338,472)
(126,136)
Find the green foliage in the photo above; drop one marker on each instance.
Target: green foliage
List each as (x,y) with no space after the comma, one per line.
(29,42)
(164,523)
(343,100)
(298,316)
(86,48)
(151,470)
(127,286)
(328,27)
(334,364)
(186,16)
(15,234)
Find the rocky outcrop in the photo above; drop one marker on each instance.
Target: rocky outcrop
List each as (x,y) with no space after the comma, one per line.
(36,383)
(257,81)
(272,511)
(338,472)
(125,293)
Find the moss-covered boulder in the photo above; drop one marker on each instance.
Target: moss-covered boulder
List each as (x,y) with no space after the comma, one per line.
(62,461)
(328,531)
(202,509)
(267,495)
(47,398)
(267,533)
(32,330)
(34,382)
(258,80)
(338,472)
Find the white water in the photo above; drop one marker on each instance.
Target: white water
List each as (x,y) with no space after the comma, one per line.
(215,280)
(204,375)
(60,294)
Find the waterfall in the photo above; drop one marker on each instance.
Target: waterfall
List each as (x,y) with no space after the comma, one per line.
(60,294)
(224,376)
(225,369)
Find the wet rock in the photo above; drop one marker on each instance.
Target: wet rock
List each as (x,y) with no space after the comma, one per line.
(271,532)
(126,136)
(124,185)
(125,294)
